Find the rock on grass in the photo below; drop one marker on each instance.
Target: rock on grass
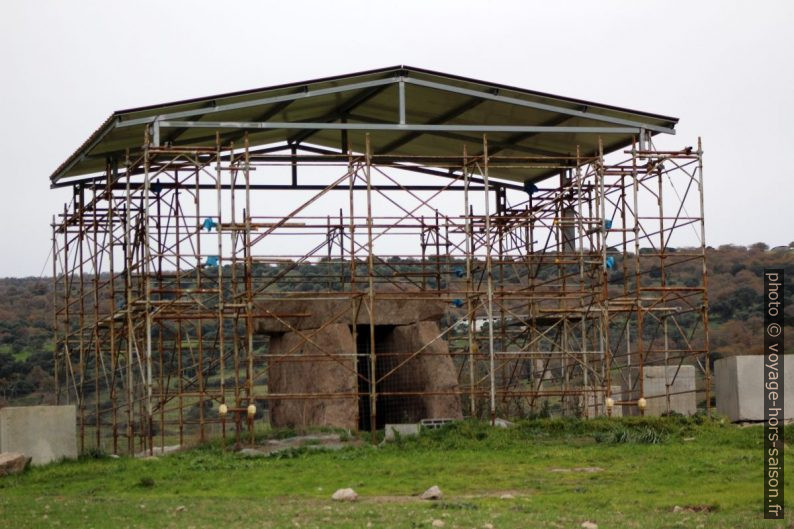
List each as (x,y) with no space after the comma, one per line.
(345,495)
(13,463)
(433,493)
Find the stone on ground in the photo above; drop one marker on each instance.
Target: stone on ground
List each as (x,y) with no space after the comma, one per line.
(345,495)
(433,493)
(589,525)
(159,451)
(438,523)
(252,452)
(13,463)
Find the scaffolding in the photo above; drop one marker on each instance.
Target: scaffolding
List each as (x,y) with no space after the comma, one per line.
(556,293)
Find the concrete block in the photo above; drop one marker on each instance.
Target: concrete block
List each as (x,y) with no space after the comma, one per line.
(738,388)
(683,399)
(403,430)
(43,433)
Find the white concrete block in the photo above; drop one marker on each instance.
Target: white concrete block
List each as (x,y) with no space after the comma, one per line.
(43,433)
(683,399)
(739,390)
(403,430)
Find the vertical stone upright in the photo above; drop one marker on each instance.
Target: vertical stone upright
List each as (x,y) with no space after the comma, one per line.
(328,372)
(430,372)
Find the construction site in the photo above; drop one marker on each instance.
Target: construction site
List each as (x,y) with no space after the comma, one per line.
(384,247)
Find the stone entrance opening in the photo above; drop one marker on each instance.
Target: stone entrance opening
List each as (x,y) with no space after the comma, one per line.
(319,372)
(383,402)
(415,375)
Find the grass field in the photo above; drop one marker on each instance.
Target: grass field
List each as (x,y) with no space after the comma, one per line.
(559,473)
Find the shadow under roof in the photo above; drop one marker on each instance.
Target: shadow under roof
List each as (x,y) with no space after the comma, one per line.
(440,114)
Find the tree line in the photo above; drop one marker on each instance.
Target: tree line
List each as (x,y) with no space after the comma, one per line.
(735,293)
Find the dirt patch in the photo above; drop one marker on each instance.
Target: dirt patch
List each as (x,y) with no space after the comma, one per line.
(310,442)
(696,508)
(582,470)
(390,499)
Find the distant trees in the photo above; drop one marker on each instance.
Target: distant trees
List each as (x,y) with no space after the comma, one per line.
(735,291)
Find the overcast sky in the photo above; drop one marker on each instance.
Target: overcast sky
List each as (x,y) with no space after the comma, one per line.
(723,67)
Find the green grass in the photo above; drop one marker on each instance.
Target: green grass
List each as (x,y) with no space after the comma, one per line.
(649,466)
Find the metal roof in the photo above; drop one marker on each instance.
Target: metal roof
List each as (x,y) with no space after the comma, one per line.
(408,111)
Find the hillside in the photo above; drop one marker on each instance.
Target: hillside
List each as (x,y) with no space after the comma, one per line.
(735,296)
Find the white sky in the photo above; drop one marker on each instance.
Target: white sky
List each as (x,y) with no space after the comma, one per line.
(723,67)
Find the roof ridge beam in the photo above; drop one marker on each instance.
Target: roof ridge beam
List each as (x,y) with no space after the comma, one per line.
(398,127)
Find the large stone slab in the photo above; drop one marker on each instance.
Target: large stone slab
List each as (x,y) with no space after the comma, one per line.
(303,314)
(43,433)
(430,372)
(739,390)
(324,368)
(683,399)
(313,376)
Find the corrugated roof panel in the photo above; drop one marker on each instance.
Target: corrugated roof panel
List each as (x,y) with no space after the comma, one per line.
(431,98)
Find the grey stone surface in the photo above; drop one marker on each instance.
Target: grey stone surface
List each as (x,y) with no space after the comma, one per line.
(303,314)
(328,370)
(43,433)
(403,430)
(655,379)
(738,388)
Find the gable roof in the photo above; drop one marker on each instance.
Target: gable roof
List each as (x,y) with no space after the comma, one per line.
(408,111)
